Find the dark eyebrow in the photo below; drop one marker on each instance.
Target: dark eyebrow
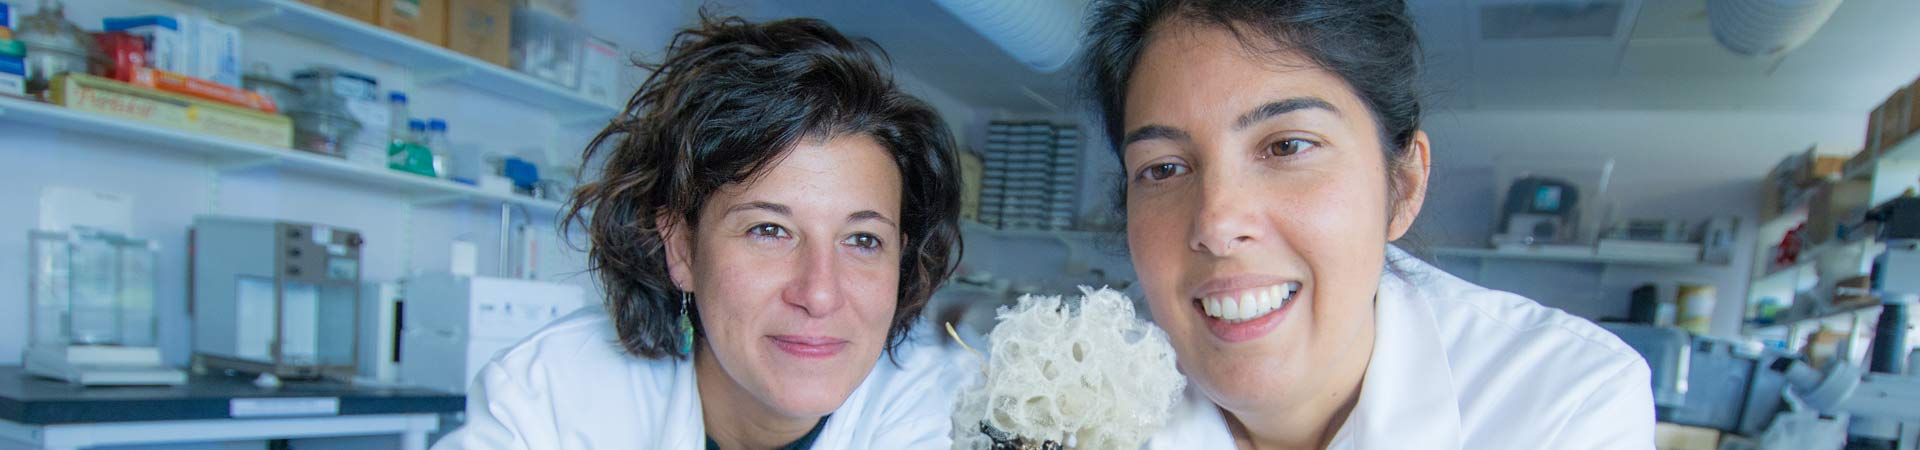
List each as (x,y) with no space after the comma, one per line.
(1264,112)
(775,208)
(1151,132)
(871,215)
(1277,108)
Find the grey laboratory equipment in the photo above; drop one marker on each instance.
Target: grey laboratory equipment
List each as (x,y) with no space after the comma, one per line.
(91,307)
(1770,397)
(1779,401)
(274,298)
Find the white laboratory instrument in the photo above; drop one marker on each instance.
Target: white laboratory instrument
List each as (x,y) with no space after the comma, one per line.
(380,333)
(92,312)
(275,298)
(453,324)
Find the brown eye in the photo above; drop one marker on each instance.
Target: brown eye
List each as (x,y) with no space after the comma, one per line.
(767,230)
(1162,171)
(1289,147)
(863,241)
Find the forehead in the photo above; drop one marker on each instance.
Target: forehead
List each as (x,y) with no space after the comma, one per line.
(832,176)
(1198,73)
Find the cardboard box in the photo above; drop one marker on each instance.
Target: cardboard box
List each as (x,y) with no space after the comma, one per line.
(1834,204)
(195,46)
(1873,130)
(1669,436)
(481,29)
(361,10)
(120,100)
(1893,121)
(1913,108)
(216,52)
(425,20)
(563,8)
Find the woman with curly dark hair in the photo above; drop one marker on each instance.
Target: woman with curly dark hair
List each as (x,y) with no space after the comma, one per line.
(772,215)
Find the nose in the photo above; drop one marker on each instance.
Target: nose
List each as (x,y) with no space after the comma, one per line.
(1227,220)
(815,290)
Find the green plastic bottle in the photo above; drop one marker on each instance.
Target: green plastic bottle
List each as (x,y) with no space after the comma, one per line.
(411,155)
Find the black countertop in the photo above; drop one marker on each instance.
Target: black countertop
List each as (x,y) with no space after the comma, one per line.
(32,400)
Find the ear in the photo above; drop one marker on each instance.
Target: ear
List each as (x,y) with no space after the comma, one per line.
(679,246)
(1413,185)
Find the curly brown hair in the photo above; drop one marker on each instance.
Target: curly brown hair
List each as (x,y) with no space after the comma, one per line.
(728,100)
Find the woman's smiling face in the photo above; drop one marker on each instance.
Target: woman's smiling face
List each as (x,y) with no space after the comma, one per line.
(1258,215)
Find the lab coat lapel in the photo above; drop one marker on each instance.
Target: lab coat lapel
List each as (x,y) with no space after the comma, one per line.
(685,427)
(1408,398)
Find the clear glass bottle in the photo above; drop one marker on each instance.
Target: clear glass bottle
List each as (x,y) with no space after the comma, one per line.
(397,116)
(442,149)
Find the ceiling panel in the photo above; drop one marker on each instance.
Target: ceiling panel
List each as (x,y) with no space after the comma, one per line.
(1663,57)
(1686,57)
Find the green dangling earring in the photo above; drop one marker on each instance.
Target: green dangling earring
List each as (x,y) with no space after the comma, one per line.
(686,325)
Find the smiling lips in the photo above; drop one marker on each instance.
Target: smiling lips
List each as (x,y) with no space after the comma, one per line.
(1239,314)
(809,347)
(1244,305)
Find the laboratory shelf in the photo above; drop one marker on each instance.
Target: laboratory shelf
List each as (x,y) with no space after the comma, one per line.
(978,229)
(229,155)
(1907,150)
(428,62)
(1587,258)
(1832,318)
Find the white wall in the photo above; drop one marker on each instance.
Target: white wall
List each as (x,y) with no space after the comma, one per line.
(1668,164)
(170,187)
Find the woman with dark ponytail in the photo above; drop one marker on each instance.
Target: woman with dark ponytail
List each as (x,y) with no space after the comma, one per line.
(1272,155)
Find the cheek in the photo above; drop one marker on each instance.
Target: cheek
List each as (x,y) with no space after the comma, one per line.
(1157,230)
(873,292)
(734,286)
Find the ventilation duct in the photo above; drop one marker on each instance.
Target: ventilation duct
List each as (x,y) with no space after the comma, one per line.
(1043,34)
(1766,28)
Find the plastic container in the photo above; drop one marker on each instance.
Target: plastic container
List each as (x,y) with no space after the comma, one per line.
(327,132)
(546,46)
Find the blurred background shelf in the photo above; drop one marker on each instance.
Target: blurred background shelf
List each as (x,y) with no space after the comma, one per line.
(428,62)
(1556,256)
(227,155)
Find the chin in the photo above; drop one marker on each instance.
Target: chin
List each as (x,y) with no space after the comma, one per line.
(811,400)
(1243,381)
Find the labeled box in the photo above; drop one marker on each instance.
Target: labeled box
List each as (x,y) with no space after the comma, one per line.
(481,29)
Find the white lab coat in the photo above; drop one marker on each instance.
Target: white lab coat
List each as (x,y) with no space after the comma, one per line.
(570,386)
(1459,366)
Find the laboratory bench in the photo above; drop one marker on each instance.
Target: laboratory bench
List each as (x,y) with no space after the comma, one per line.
(50,414)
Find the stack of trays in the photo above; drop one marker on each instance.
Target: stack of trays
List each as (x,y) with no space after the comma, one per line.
(1063,183)
(1029,178)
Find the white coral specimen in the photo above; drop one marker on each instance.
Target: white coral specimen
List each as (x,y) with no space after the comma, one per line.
(1098,379)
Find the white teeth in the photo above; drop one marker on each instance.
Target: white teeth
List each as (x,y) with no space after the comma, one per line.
(1251,304)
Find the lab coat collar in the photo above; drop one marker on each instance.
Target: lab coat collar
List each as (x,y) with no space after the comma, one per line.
(1408,395)
(686,401)
(1406,401)
(694,434)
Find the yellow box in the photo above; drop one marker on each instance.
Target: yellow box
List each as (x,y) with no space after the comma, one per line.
(1669,436)
(120,100)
